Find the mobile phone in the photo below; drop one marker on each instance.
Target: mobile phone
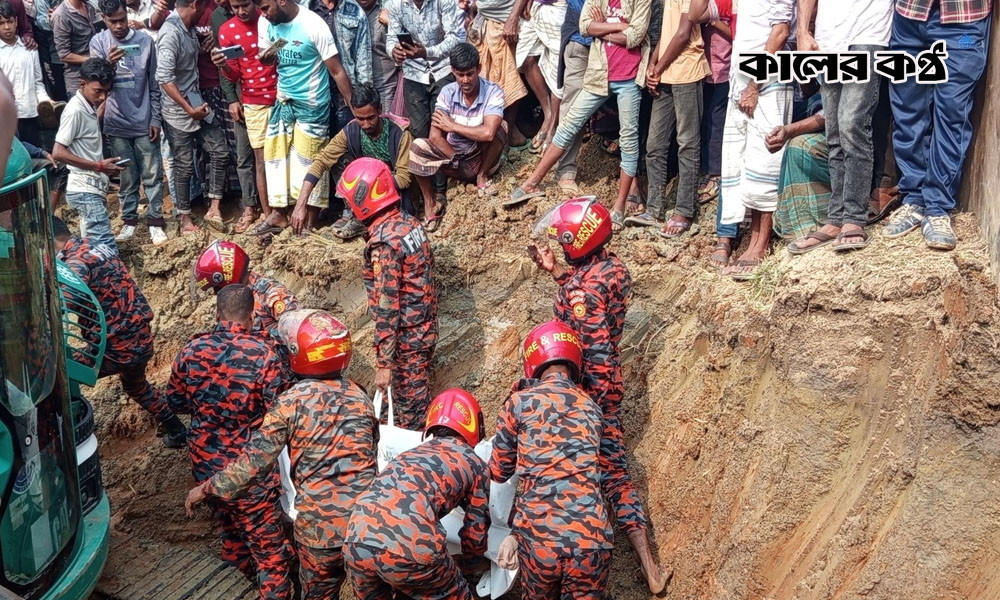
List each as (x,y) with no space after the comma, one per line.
(534,254)
(131,49)
(405,38)
(122,162)
(232,52)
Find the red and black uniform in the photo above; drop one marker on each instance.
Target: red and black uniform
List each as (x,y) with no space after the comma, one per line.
(226,380)
(330,429)
(394,539)
(128,315)
(593,299)
(549,433)
(399,278)
(270,300)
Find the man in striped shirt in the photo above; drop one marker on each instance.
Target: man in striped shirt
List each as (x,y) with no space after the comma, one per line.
(467,134)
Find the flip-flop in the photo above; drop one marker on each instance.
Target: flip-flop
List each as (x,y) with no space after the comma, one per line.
(823,239)
(634,200)
(890,206)
(685,227)
(488,189)
(522,147)
(432,222)
(267,230)
(747,275)
(617,220)
(537,143)
(569,186)
(519,196)
(841,246)
(717,250)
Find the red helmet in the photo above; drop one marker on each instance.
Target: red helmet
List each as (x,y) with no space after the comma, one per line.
(368,187)
(318,343)
(581,225)
(222,263)
(552,342)
(459,411)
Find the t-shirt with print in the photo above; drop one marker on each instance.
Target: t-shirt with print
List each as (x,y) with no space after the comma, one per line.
(451,101)
(302,74)
(623,63)
(80,133)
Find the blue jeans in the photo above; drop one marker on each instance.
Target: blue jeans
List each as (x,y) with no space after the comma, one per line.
(729,230)
(145,164)
(95,224)
(587,103)
(933,127)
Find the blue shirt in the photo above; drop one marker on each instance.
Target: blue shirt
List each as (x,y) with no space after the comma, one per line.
(451,101)
(576,6)
(302,73)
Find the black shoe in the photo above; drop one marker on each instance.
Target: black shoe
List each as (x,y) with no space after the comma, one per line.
(175,440)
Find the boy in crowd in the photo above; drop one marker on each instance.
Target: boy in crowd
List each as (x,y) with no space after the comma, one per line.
(79,145)
(299,123)
(617,65)
(22,68)
(72,27)
(674,78)
(187,118)
(132,118)
(467,134)
(258,88)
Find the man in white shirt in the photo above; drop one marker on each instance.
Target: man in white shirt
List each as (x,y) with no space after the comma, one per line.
(22,68)
(841,26)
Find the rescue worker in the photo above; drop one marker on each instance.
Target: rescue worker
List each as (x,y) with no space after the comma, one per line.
(329,424)
(401,295)
(394,540)
(226,380)
(225,262)
(129,345)
(593,297)
(549,433)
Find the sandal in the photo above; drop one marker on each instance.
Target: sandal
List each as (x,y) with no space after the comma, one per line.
(537,144)
(893,200)
(643,219)
(215,222)
(841,245)
(569,186)
(823,239)
(488,189)
(612,147)
(246,222)
(350,230)
(617,221)
(674,222)
(432,222)
(709,189)
(264,230)
(721,253)
(743,270)
(634,205)
(519,196)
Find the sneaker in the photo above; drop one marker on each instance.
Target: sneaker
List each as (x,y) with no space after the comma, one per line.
(938,233)
(157,235)
(905,219)
(125,234)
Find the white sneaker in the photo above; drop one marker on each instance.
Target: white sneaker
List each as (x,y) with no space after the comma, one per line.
(126,233)
(157,235)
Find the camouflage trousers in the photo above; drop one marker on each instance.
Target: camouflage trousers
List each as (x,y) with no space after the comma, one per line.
(321,572)
(581,575)
(254,541)
(376,575)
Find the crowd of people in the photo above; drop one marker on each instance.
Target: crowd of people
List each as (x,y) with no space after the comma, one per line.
(359,112)
(268,100)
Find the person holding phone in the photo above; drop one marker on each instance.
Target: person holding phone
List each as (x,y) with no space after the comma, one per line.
(421,34)
(237,60)
(79,145)
(188,120)
(132,118)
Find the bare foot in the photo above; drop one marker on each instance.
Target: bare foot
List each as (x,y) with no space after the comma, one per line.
(187,225)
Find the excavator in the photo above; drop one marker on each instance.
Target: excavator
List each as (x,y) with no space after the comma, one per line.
(54,514)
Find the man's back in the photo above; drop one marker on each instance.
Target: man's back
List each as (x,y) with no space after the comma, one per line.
(226,380)
(398,243)
(126,310)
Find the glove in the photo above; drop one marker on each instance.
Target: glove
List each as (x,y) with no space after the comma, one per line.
(507,553)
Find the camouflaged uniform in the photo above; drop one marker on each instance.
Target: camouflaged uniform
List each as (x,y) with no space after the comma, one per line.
(593,299)
(395,540)
(226,380)
(331,432)
(549,433)
(128,315)
(398,274)
(271,299)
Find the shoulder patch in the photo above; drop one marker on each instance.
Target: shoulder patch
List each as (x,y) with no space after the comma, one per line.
(278,307)
(579,310)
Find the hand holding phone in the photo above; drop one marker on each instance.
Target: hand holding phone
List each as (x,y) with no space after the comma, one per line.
(232,52)
(131,49)
(122,162)
(405,38)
